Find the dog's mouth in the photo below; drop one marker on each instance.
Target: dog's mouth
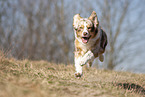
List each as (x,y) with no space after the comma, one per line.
(86,39)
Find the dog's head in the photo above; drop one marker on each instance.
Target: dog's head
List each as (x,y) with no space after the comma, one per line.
(85,28)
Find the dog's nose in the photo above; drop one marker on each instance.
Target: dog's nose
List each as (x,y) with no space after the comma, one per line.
(85,33)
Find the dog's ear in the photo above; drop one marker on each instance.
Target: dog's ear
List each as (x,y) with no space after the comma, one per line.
(76,20)
(93,17)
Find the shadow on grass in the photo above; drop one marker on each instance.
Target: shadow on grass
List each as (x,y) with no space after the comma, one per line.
(132,87)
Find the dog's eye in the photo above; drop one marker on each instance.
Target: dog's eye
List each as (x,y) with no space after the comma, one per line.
(81,27)
(89,28)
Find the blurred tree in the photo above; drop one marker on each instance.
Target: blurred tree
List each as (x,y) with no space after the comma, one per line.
(42,29)
(121,20)
(36,30)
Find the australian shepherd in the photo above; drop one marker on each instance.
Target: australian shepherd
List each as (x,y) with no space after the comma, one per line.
(90,41)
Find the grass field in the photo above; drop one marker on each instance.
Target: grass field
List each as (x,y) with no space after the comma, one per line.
(43,79)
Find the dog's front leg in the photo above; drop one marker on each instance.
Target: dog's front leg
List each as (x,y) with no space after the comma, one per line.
(78,67)
(89,56)
(82,60)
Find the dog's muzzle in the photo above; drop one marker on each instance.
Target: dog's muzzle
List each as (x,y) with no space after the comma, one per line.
(85,39)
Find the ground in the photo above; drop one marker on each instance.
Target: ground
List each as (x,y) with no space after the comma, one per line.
(24,78)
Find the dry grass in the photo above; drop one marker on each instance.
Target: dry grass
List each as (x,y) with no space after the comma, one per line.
(42,79)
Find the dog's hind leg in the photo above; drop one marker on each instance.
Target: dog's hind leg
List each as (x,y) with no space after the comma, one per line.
(101,58)
(89,64)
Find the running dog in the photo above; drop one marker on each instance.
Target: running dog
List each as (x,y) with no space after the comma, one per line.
(90,41)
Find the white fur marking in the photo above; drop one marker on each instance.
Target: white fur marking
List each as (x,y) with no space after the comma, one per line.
(85,28)
(78,66)
(89,56)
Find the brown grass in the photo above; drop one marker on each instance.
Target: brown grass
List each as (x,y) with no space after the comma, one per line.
(43,79)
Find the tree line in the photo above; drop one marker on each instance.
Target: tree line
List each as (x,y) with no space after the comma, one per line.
(42,29)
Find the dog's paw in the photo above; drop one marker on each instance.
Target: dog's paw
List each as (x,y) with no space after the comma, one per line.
(101,58)
(78,75)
